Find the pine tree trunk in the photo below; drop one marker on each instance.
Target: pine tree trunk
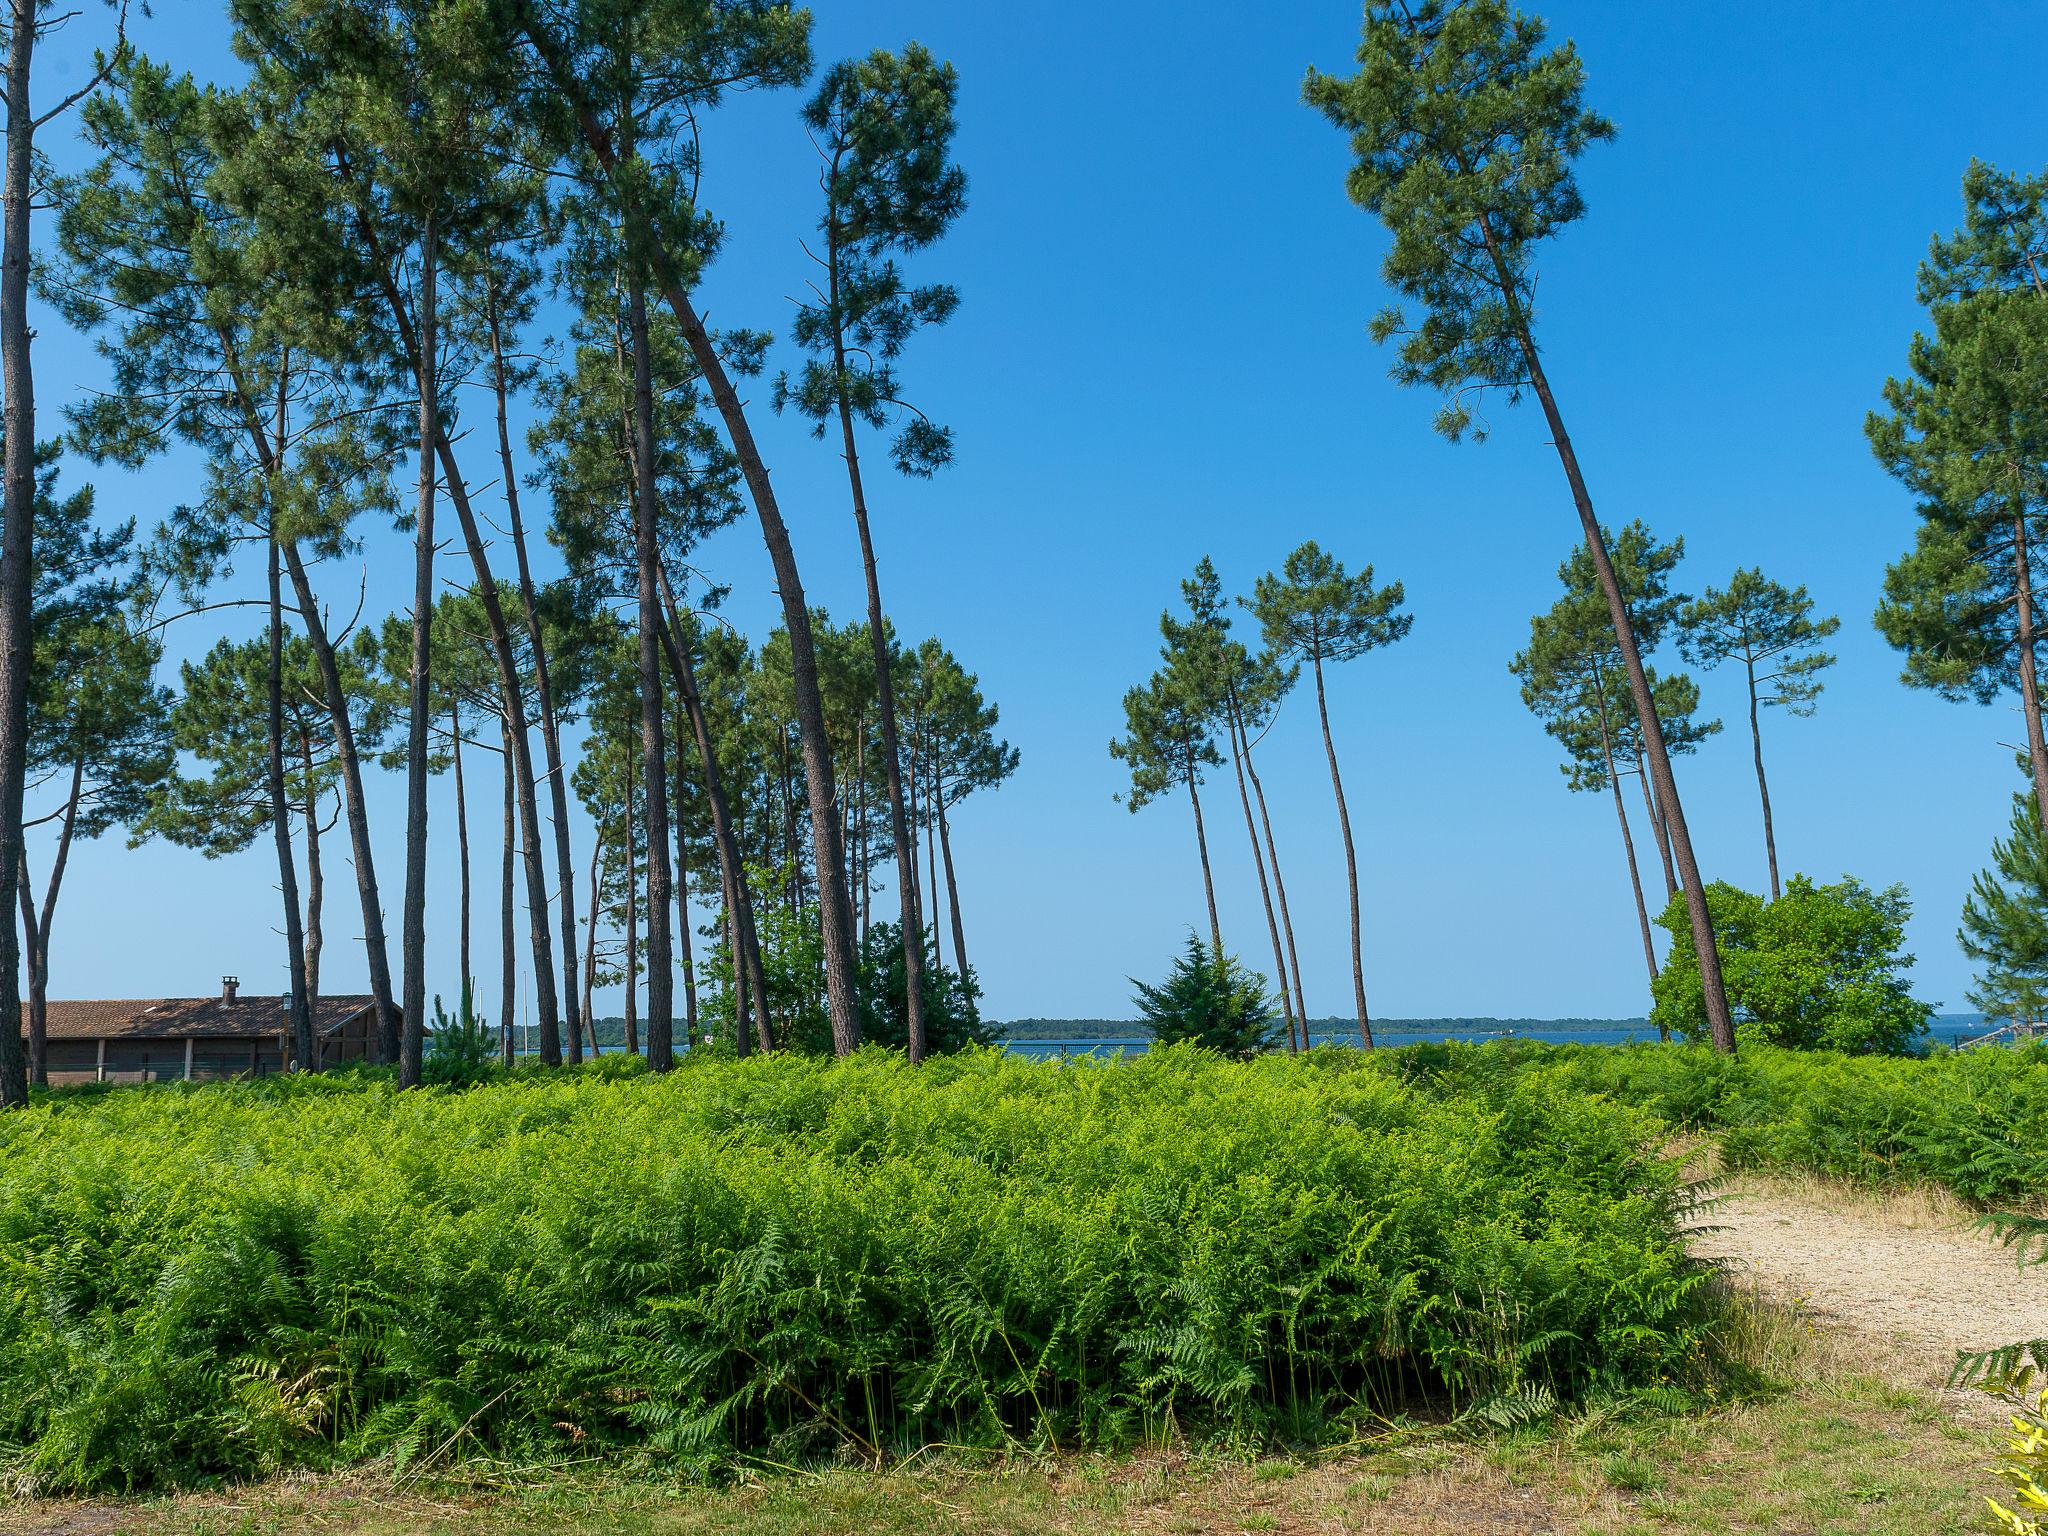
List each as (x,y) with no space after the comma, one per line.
(834,901)
(1763,788)
(748,974)
(1350,857)
(354,811)
(461,844)
(511,693)
(17,514)
(860,857)
(878,633)
(952,883)
(1714,994)
(1251,831)
(413,919)
(1202,846)
(653,750)
(1628,842)
(590,939)
(632,889)
(931,862)
(508,933)
(1661,832)
(36,933)
(316,882)
(683,934)
(298,1000)
(2030,691)
(1279,889)
(543,685)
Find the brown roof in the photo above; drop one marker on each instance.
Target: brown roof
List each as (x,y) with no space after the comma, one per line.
(176,1018)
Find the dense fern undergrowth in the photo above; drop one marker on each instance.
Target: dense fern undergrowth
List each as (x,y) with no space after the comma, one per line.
(786,1258)
(1974,1122)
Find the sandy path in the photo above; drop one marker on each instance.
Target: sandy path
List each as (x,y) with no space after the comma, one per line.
(1910,1275)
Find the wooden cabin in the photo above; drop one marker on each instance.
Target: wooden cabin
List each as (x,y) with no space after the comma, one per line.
(168,1039)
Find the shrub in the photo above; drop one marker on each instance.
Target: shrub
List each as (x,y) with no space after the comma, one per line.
(1210,1001)
(784,1255)
(1974,1121)
(1820,968)
(460,1051)
(952,1017)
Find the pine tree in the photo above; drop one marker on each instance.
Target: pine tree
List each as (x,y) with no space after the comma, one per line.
(1466,129)
(1762,624)
(2005,921)
(1314,611)
(884,127)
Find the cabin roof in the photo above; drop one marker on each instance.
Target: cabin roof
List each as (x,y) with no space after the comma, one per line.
(180,1018)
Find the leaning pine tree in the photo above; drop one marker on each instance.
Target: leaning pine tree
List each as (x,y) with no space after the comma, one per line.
(884,129)
(1466,128)
(2005,921)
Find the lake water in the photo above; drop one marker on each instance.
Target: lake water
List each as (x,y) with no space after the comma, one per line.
(1941,1032)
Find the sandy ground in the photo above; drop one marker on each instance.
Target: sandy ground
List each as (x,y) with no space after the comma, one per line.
(1911,1276)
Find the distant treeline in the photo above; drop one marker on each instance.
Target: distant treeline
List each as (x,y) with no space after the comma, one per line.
(1131,1029)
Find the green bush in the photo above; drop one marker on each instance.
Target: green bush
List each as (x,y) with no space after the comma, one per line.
(782,1256)
(1820,968)
(1974,1121)
(1213,1001)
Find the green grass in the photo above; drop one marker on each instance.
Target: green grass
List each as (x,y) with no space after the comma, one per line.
(782,1262)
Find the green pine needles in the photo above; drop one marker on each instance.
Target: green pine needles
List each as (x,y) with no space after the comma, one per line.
(796,1258)
(1210,999)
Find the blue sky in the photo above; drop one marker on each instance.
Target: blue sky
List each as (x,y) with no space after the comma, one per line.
(1161,354)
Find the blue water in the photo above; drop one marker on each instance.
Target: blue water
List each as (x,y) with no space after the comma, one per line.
(1942,1032)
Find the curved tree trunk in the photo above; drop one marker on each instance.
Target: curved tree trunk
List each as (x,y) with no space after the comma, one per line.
(1628,842)
(36,933)
(299,997)
(1763,788)
(749,978)
(508,936)
(1202,846)
(2030,691)
(834,901)
(1251,830)
(354,812)
(1713,992)
(316,879)
(413,919)
(543,683)
(653,749)
(910,918)
(1350,859)
(952,880)
(1251,768)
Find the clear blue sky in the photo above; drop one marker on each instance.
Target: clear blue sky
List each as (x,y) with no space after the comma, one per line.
(1161,354)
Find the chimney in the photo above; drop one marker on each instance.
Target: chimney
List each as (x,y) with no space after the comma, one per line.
(228,987)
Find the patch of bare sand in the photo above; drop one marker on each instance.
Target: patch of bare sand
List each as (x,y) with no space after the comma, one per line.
(1909,1276)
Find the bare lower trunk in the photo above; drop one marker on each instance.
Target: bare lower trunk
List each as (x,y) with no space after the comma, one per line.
(1202,846)
(684,938)
(508,936)
(354,812)
(1661,832)
(1237,754)
(461,847)
(910,918)
(1251,768)
(653,748)
(299,994)
(835,905)
(931,862)
(413,919)
(543,684)
(36,933)
(1628,842)
(952,883)
(749,981)
(2030,692)
(632,888)
(316,884)
(17,513)
(590,939)
(1714,994)
(1350,859)
(1763,788)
